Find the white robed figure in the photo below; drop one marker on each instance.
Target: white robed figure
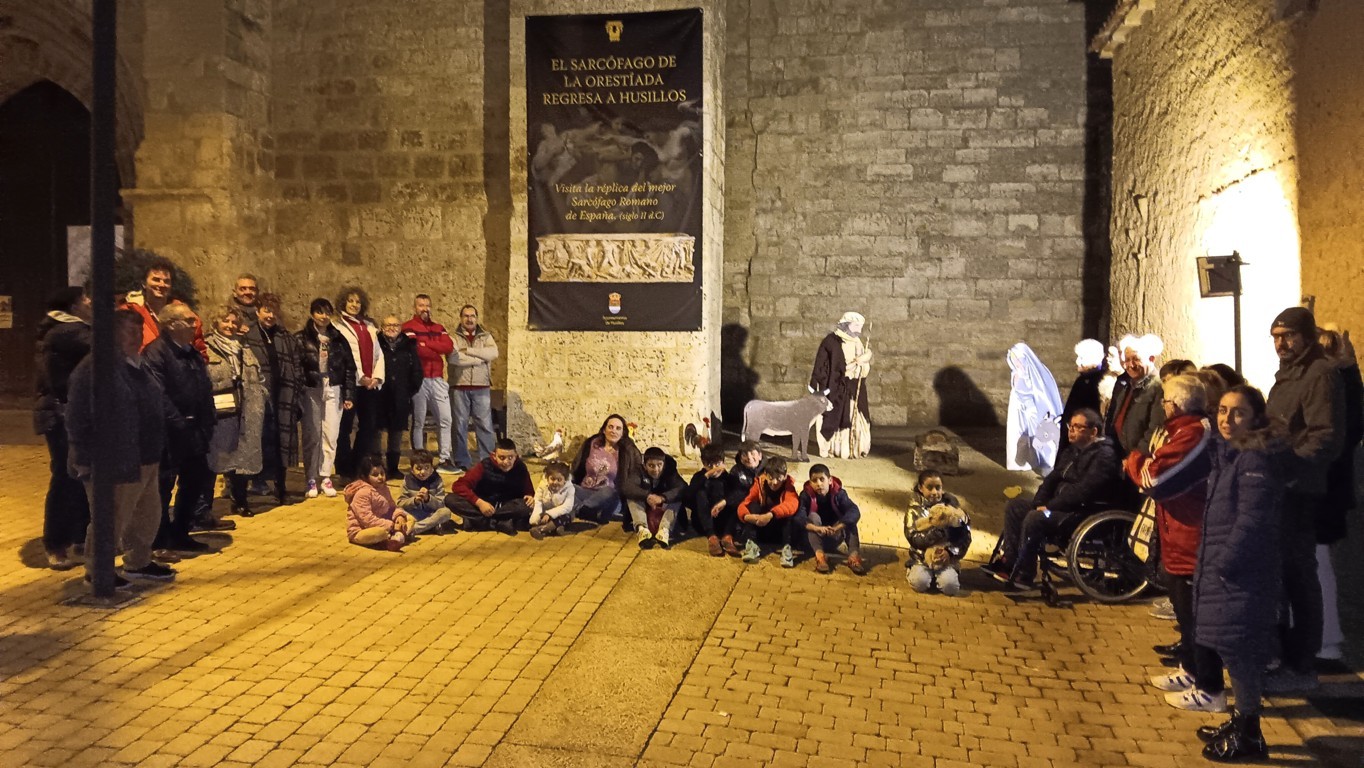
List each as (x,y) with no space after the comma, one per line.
(1033,426)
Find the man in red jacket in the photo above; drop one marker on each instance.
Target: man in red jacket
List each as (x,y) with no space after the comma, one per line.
(433,344)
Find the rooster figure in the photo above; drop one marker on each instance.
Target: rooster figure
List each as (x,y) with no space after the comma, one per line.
(550,452)
(694,439)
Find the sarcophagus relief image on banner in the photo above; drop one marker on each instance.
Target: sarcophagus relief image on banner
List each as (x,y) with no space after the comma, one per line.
(613,115)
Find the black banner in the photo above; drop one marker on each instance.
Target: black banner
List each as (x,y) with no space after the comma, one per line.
(613,116)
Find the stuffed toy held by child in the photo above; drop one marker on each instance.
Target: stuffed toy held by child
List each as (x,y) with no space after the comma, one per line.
(940,519)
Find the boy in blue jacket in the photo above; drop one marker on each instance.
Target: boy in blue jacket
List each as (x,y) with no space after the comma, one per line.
(829,518)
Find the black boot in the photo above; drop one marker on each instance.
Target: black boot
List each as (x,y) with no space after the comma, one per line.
(1211,733)
(392,467)
(1243,741)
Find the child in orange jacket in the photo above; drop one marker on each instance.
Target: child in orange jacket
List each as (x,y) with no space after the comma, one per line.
(771,504)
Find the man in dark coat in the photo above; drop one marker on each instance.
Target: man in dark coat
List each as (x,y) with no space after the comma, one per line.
(1307,405)
(284,357)
(188,408)
(63,341)
(1135,412)
(139,439)
(1085,479)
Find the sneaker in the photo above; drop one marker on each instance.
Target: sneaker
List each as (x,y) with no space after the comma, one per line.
(714,548)
(1287,680)
(448,467)
(327,489)
(1162,609)
(1179,680)
(1196,700)
(752,553)
(821,562)
(662,538)
(856,565)
(788,558)
(152,570)
(727,544)
(646,539)
(1020,586)
(60,561)
(312,490)
(1170,649)
(537,532)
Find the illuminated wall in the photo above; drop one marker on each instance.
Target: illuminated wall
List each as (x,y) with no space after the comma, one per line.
(1205,162)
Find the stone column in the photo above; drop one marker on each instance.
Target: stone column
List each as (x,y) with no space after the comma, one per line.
(203,167)
(657,380)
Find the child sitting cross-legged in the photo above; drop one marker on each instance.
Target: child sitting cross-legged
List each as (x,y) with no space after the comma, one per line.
(939,535)
(423,496)
(553,506)
(707,496)
(829,517)
(768,511)
(654,498)
(372,519)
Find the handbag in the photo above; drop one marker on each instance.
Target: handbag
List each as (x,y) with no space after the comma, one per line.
(225,403)
(1143,531)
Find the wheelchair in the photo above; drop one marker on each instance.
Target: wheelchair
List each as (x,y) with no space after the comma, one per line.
(1093,550)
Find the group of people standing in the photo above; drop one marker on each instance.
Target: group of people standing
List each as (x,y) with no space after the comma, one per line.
(242,396)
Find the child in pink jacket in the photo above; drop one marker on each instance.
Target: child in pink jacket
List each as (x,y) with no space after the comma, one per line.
(372,519)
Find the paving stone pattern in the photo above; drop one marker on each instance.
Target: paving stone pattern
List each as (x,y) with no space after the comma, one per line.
(290,647)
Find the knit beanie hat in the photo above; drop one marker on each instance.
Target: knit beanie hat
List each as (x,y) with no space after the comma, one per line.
(1298,319)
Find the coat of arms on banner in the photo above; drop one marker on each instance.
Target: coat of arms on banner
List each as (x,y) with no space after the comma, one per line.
(613,303)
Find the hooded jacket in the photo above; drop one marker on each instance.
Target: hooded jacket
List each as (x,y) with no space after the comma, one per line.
(1174,474)
(783,504)
(669,484)
(63,341)
(368,507)
(834,508)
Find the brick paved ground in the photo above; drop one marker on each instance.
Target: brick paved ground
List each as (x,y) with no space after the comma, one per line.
(291,647)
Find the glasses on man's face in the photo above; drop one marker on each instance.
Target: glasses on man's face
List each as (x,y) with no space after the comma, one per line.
(1077,426)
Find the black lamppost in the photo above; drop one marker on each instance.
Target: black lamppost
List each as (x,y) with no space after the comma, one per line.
(1221,276)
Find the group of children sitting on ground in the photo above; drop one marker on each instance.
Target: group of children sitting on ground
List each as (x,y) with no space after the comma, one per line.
(754,502)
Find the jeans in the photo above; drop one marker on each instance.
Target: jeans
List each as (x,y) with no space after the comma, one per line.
(515,510)
(427,517)
(321,424)
(433,394)
(364,416)
(478,404)
(596,503)
(66,514)
(921,579)
(849,535)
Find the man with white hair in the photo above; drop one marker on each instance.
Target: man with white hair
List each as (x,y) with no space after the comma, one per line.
(1134,413)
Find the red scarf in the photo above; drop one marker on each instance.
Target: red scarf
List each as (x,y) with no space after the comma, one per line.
(366,344)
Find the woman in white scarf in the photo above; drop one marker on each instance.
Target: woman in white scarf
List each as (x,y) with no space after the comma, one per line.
(840,372)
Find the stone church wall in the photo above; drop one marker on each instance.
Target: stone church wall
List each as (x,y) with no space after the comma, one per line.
(920,162)
(1205,161)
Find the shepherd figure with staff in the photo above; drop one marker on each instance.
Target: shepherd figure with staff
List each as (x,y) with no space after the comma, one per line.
(841,367)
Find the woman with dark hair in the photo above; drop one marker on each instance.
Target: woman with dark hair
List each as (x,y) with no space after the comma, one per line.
(280,436)
(63,341)
(362,335)
(1237,581)
(239,396)
(600,470)
(329,391)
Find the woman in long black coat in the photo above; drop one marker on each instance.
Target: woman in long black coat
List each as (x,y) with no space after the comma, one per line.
(280,436)
(404,379)
(1237,580)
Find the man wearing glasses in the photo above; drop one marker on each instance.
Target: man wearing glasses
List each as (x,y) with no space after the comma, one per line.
(1085,479)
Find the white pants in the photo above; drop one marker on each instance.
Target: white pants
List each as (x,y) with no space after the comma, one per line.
(321,425)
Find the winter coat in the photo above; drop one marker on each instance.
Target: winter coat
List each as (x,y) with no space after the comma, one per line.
(704,492)
(921,536)
(151,327)
(829,374)
(254,340)
(1084,393)
(485,481)
(669,484)
(837,507)
(741,480)
(435,489)
(236,443)
(404,370)
(187,395)
(433,345)
(286,359)
(1144,415)
(368,507)
(1174,473)
(1237,581)
(1084,478)
(63,341)
(1340,477)
(783,504)
(471,362)
(340,366)
(629,460)
(139,434)
(1307,404)
(376,360)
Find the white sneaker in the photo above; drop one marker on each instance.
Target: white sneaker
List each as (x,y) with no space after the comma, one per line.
(312,489)
(1195,700)
(1163,609)
(646,539)
(1179,680)
(327,489)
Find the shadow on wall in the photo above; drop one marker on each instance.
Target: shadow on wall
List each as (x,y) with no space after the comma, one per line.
(964,408)
(738,382)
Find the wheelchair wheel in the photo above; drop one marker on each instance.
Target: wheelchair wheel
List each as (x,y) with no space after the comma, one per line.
(1101,563)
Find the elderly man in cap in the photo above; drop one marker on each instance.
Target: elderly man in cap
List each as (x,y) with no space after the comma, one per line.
(1307,405)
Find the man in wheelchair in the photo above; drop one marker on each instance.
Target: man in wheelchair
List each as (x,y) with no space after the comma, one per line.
(1086,479)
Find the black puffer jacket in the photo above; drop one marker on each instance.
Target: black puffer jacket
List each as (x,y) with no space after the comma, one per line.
(63,341)
(187,394)
(341,367)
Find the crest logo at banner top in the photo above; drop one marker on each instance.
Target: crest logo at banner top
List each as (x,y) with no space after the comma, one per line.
(613,30)
(613,303)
